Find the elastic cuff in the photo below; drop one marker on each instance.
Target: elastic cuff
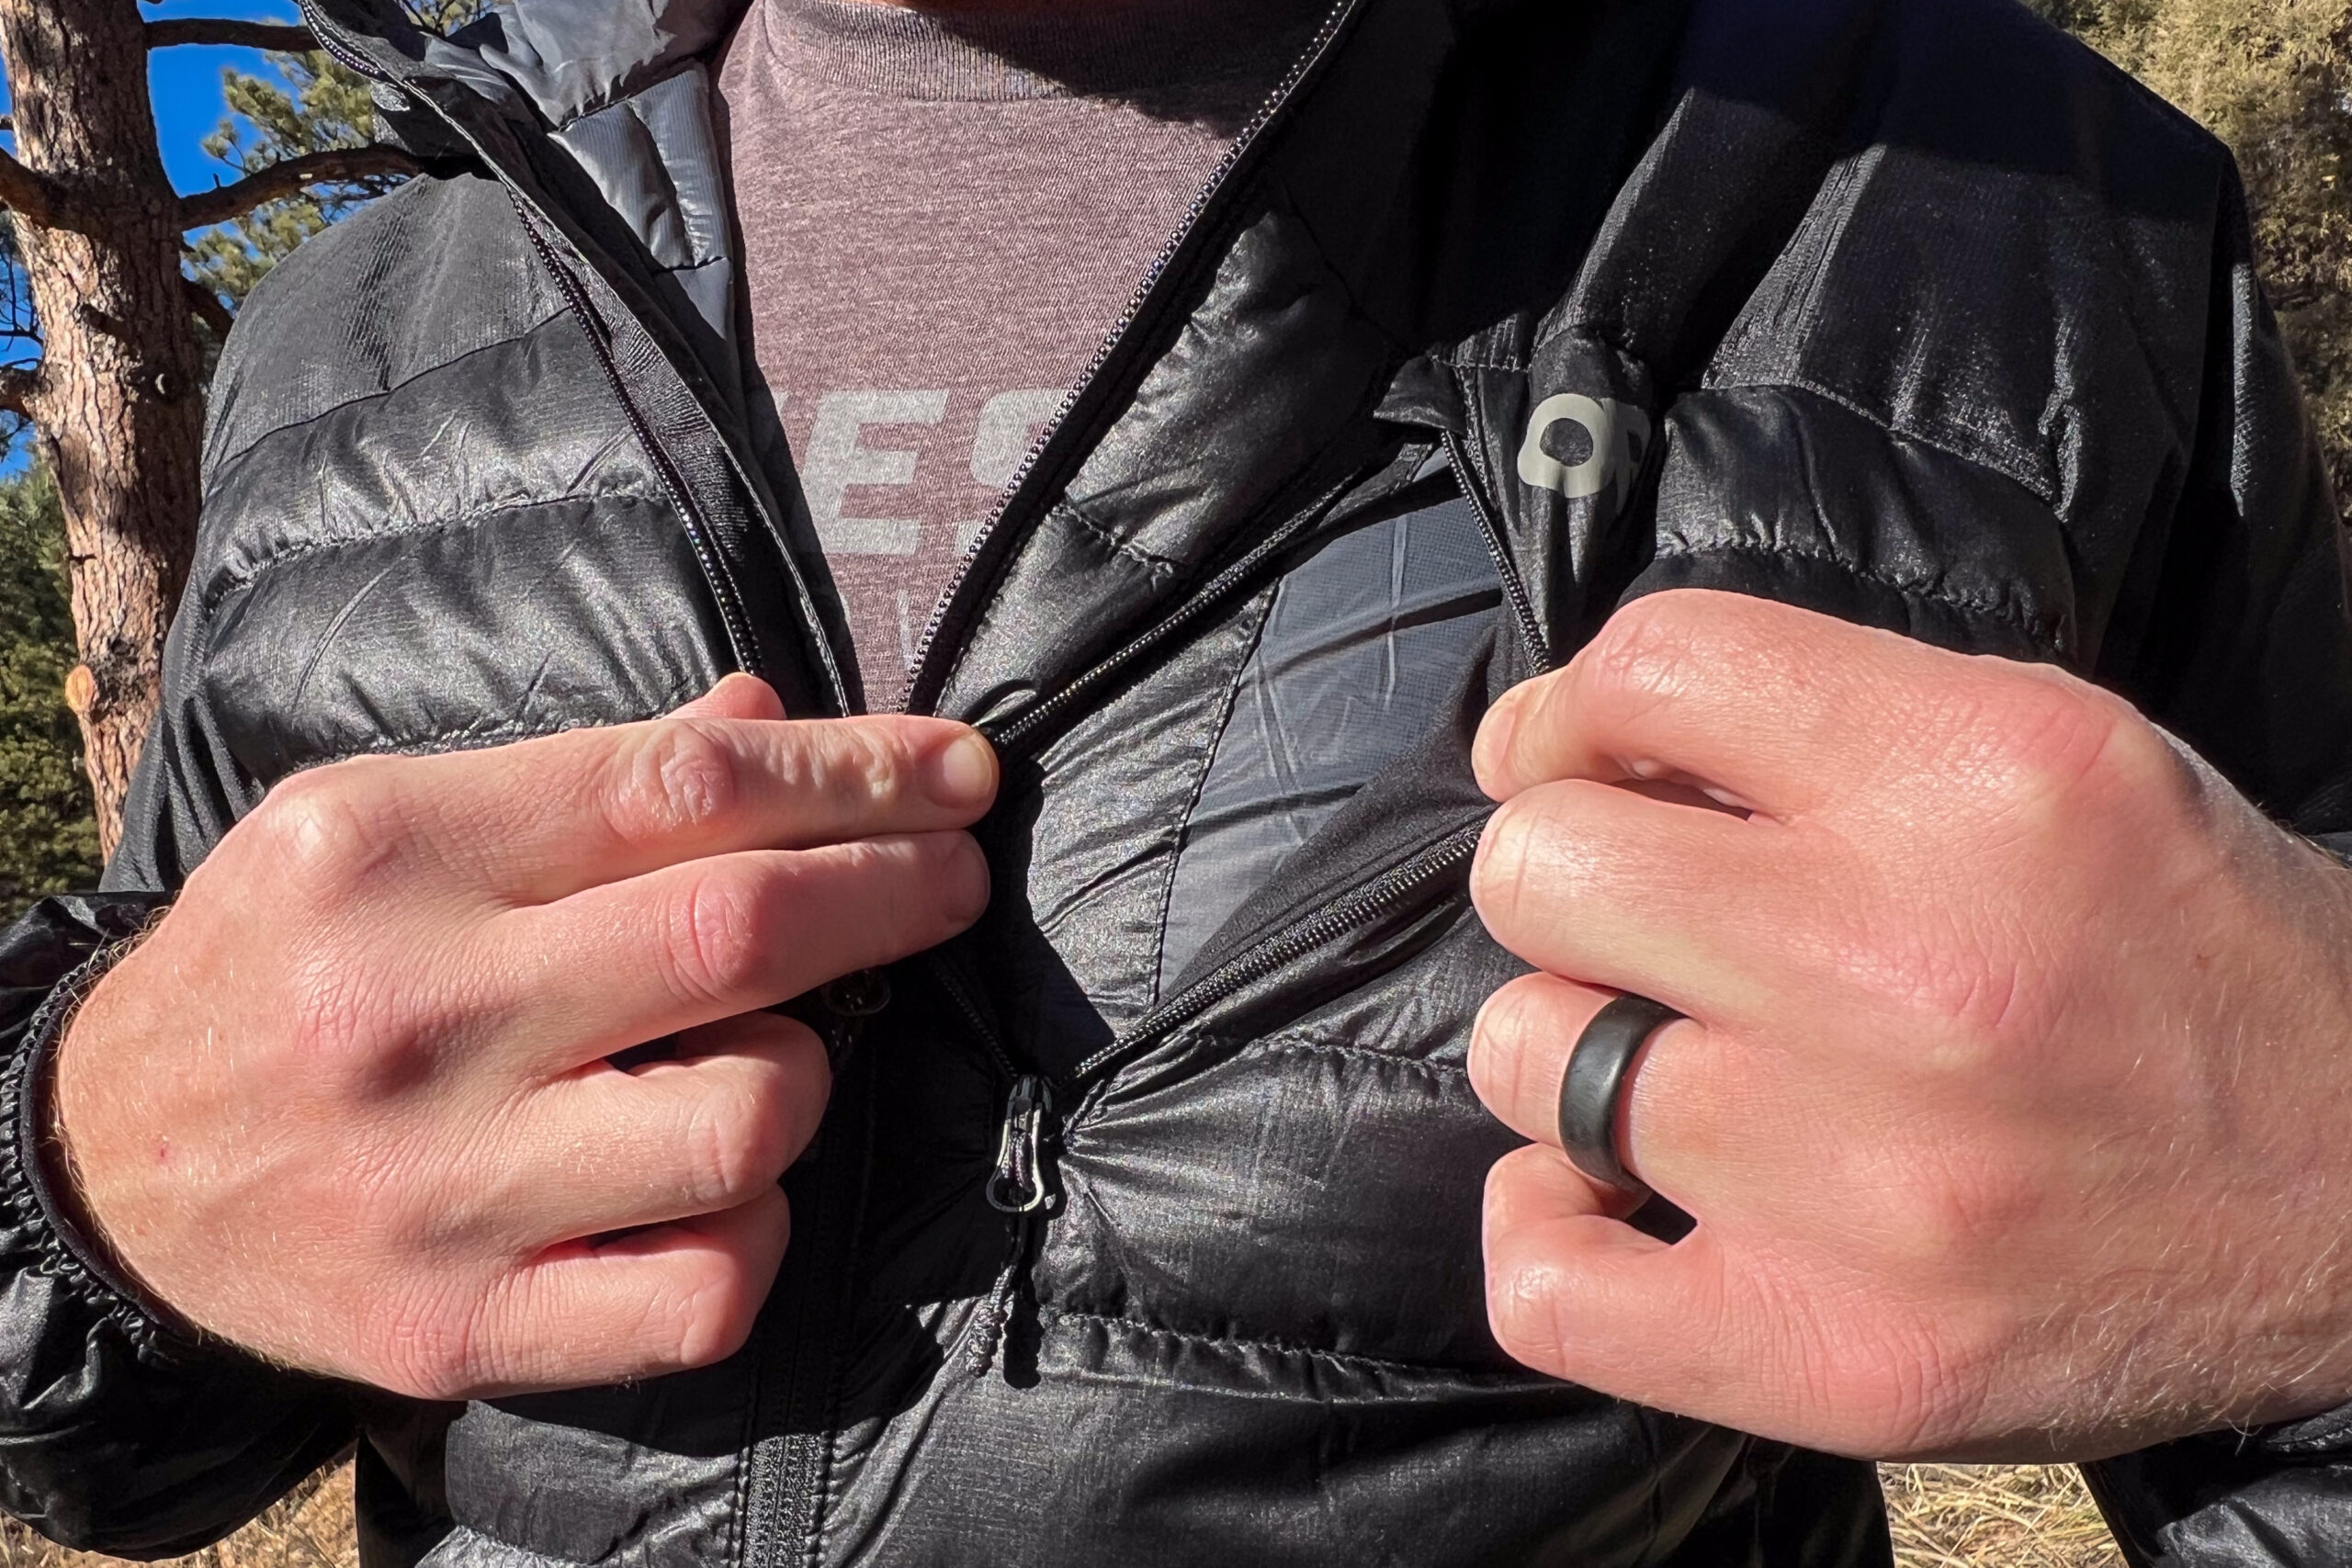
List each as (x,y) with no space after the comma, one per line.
(39,1195)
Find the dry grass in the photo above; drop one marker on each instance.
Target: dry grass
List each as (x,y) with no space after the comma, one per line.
(1995,1515)
(311,1528)
(1945,1516)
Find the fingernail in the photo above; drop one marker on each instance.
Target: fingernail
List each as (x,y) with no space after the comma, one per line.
(963,775)
(968,897)
(1491,749)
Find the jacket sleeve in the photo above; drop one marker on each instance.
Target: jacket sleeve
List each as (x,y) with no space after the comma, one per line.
(118,1432)
(2247,654)
(2185,551)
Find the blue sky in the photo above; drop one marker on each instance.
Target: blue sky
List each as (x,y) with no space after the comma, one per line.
(185,85)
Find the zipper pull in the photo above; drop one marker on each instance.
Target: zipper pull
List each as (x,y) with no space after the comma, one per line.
(1017,1186)
(859,995)
(849,1002)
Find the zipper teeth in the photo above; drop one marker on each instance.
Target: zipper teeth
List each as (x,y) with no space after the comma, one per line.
(335,41)
(953,986)
(331,38)
(1193,608)
(731,608)
(1203,200)
(1286,947)
(1514,586)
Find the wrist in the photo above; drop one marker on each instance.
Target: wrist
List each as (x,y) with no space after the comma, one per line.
(49,1157)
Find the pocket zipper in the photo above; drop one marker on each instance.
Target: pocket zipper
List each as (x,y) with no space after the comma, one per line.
(1018,1184)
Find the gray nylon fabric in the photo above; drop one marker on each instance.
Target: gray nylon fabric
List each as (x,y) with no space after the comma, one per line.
(573,58)
(1358,652)
(655,157)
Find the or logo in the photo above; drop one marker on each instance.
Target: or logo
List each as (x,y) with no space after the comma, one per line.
(1621,436)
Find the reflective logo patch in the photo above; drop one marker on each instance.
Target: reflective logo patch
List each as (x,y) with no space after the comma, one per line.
(1619,434)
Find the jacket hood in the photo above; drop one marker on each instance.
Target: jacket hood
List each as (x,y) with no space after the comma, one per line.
(565,58)
(616,84)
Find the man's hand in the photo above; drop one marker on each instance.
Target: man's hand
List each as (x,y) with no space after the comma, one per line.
(2015,1103)
(349,1105)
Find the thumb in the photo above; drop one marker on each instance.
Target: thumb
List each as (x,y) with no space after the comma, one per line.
(736,696)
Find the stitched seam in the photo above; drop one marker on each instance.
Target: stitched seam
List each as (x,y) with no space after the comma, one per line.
(221,466)
(1923,592)
(608,349)
(628,99)
(1159,566)
(1827,394)
(739,1495)
(1244,1342)
(246,576)
(2337,1427)
(1279,1046)
(527,1549)
(1079,1125)
(458,740)
(1331,270)
(1200,785)
(1861,412)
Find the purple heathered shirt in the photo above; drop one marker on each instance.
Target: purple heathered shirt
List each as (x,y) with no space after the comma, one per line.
(944,213)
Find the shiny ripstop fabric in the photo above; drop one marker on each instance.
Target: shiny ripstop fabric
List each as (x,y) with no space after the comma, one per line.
(1906,311)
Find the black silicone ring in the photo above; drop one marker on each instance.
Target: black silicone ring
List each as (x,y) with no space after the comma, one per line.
(1603,1053)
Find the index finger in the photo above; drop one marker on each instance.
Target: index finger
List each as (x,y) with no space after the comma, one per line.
(1767,707)
(543,819)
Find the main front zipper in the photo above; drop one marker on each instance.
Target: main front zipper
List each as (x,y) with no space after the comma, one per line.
(1032,484)
(786,1485)
(544,232)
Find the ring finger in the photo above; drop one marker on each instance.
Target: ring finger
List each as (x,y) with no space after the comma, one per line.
(1671,1129)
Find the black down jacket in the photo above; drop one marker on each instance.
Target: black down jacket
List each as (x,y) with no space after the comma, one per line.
(1505,310)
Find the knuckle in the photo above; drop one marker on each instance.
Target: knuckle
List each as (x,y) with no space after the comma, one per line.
(955,872)
(716,1312)
(734,1144)
(327,831)
(1511,855)
(2145,767)
(2033,741)
(701,1314)
(720,937)
(682,775)
(861,767)
(1504,1044)
(1645,651)
(1522,1310)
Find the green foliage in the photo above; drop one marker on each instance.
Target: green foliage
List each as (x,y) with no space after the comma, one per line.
(310,104)
(48,839)
(2274,80)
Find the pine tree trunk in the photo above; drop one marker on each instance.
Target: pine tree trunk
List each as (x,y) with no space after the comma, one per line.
(118,401)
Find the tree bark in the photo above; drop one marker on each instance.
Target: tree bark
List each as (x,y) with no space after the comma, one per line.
(117,398)
(170,32)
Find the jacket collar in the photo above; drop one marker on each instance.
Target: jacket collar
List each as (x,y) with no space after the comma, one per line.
(563,58)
